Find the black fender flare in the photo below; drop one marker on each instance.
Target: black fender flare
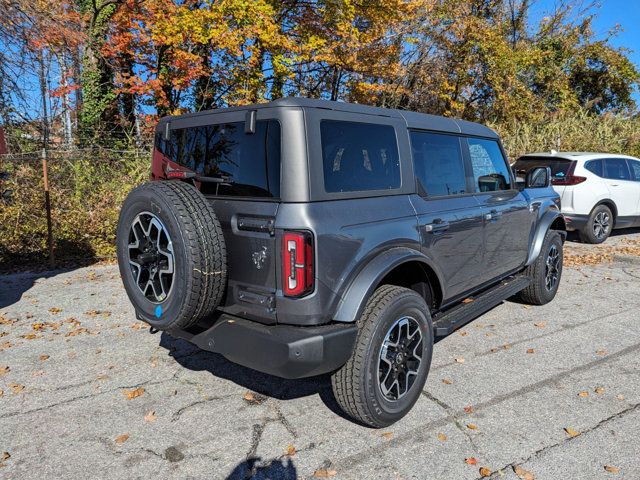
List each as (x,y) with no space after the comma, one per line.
(362,287)
(544,224)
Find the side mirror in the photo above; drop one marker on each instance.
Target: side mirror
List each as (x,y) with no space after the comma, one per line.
(539,177)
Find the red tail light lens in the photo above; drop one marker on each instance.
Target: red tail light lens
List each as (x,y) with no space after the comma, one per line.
(297,263)
(568,180)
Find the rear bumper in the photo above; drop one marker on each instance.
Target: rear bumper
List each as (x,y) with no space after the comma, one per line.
(576,222)
(281,350)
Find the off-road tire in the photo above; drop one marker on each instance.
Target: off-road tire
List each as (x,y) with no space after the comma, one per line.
(355,385)
(537,293)
(587,234)
(200,271)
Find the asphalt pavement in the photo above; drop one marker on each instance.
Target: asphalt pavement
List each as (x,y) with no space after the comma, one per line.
(552,392)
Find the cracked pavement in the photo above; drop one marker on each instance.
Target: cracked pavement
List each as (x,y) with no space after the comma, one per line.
(73,407)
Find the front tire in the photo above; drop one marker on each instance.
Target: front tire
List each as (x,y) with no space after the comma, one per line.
(385,375)
(545,272)
(598,227)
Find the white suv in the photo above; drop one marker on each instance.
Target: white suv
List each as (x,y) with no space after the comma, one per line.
(599,191)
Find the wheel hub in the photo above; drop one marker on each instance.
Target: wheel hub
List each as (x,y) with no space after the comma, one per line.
(400,358)
(151,257)
(601,224)
(552,268)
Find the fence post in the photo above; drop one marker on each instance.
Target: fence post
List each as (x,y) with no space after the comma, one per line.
(47,206)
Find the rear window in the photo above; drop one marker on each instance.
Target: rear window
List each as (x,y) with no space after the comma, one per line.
(438,164)
(616,169)
(559,167)
(251,162)
(359,156)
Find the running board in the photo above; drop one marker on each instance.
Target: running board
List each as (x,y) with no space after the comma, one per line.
(446,322)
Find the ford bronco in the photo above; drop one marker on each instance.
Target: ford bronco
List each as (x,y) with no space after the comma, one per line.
(302,237)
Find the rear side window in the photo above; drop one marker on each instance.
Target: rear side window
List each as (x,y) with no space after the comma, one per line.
(490,171)
(250,162)
(634,165)
(616,169)
(595,167)
(559,167)
(438,163)
(359,156)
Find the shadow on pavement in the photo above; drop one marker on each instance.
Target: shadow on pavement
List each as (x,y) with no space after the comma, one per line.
(191,357)
(255,469)
(13,286)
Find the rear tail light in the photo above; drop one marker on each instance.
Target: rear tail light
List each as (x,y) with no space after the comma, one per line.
(297,263)
(568,180)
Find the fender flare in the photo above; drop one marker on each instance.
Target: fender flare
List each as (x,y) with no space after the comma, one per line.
(363,285)
(541,231)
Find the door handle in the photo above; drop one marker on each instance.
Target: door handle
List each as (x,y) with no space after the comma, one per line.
(437,226)
(492,215)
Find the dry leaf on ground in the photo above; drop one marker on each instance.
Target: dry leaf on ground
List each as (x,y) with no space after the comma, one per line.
(150,416)
(4,370)
(5,456)
(530,350)
(442,437)
(325,473)
(472,426)
(540,324)
(599,390)
(471,461)
(55,310)
(459,360)
(16,387)
(446,381)
(467,300)
(468,409)
(387,435)
(611,469)
(131,394)
(485,472)
(571,432)
(44,357)
(601,352)
(122,438)
(522,473)
(583,394)
(291,450)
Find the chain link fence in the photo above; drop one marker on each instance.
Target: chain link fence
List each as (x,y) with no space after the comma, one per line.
(84,189)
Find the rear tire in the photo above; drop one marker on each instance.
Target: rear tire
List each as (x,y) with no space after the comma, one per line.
(377,386)
(545,272)
(171,254)
(598,227)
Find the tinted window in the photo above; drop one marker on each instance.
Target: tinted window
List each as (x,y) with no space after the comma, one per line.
(250,161)
(634,165)
(490,170)
(559,167)
(616,169)
(594,166)
(438,164)
(359,156)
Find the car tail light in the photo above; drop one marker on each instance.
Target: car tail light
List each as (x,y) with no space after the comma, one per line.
(568,180)
(297,263)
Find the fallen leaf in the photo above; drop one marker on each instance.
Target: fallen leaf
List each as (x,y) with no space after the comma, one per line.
(459,360)
(139,326)
(472,426)
(1,393)
(540,324)
(471,461)
(599,390)
(601,352)
(506,346)
(29,336)
(150,416)
(16,387)
(485,472)
(526,307)
(571,432)
(467,300)
(102,376)
(531,350)
(77,331)
(468,409)
(446,381)
(463,333)
(131,394)
(55,310)
(611,469)
(44,357)
(291,450)
(4,370)
(37,373)
(583,394)
(254,398)
(5,345)
(522,473)
(442,437)
(324,473)
(387,435)
(620,397)
(5,456)
(122,438)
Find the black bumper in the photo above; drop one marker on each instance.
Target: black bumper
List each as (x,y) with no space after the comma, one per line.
(282,350)
(576,222)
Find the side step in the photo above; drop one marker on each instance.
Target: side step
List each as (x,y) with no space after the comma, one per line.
(446,322)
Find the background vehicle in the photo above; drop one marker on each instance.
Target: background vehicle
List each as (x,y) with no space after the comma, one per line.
(599,191)
(302,237)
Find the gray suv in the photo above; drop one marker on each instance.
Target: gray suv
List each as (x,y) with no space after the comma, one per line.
(301,237)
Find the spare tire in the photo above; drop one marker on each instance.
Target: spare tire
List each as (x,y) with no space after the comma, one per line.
(171,254)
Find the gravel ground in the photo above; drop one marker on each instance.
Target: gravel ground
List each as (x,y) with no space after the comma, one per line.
(87,392)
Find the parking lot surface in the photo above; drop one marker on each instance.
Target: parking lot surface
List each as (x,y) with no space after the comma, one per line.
(552,391)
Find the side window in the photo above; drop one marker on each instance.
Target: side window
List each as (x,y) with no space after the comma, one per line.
(359,156)
(490,170)
(616,169)
(438,163)
(634,165)
(594,166)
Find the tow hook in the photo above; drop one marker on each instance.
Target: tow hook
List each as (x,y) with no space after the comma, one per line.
(153,330)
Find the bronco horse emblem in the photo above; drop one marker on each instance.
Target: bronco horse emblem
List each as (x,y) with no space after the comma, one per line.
(259,258)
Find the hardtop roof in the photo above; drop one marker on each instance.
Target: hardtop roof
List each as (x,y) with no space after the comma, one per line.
(412,119)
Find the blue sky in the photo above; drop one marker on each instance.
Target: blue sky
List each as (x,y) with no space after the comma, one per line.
(609,13)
